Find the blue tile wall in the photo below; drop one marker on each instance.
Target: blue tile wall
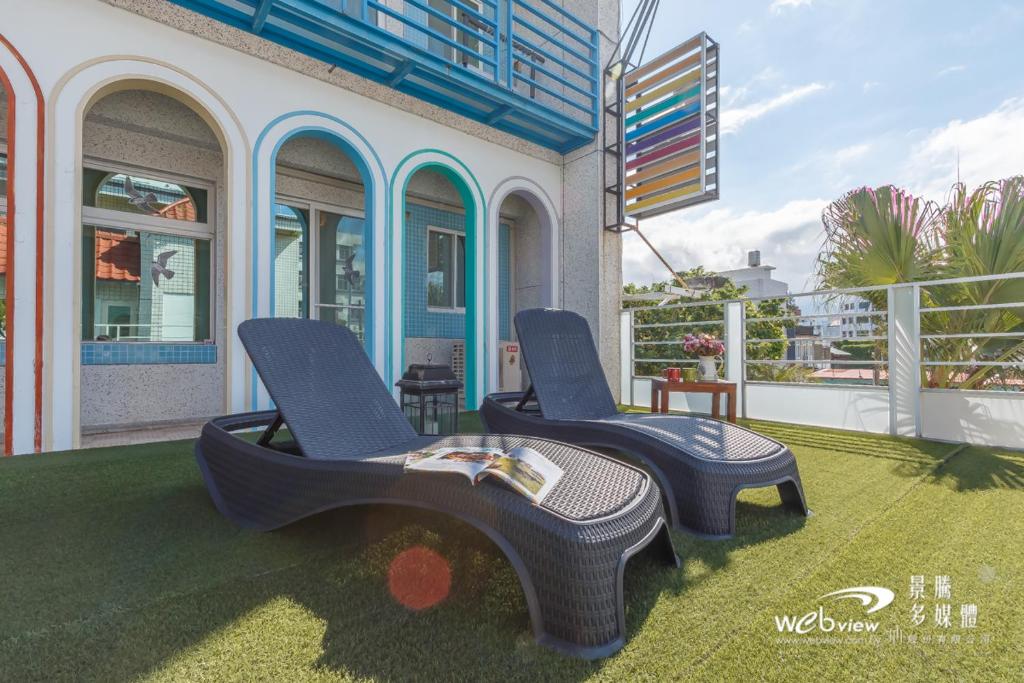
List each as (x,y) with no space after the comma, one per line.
(421,322)
(147,353)
(504,283)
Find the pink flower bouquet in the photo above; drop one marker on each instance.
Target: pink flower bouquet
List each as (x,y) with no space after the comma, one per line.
(703,345)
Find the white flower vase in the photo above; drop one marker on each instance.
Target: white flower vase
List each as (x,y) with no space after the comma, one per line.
(708,369)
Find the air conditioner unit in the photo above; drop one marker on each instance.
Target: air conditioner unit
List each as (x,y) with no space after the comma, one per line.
(510,376)
(459,368)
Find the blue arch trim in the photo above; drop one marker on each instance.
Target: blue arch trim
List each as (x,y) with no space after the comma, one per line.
(370,224)
(475,206)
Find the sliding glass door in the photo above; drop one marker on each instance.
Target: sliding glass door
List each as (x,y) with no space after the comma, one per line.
(341,294)
(320,264)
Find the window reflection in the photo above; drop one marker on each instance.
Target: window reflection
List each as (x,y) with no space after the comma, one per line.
(144,286)
(143,195)
(291,262)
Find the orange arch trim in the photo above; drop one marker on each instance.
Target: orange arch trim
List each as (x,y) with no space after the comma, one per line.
(11,261)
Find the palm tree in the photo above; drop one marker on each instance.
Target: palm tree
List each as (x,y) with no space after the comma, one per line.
(984,235)
(885,236)
(879,237)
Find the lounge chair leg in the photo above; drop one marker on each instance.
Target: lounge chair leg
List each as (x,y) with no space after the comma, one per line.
(562,606)
(666,550)
(792,495)
(582,611)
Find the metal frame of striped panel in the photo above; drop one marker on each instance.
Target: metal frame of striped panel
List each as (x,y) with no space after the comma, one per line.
(670,105)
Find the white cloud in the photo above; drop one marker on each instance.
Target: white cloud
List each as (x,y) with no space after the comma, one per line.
(735,118)
(989,147)
(779,6)
(734,94)
(789,238)
(870,85)
(852,153)
(956,68)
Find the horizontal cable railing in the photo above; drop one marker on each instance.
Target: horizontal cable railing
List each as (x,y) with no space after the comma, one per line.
(781,342)
(833,337)
(971,333)
(658,334)
(964,333)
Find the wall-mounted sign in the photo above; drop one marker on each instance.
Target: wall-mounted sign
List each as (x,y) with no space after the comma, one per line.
(670,107)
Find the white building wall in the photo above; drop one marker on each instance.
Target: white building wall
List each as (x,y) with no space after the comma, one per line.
(758,281)
(243,96)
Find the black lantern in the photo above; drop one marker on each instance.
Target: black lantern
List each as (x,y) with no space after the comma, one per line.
(430,398)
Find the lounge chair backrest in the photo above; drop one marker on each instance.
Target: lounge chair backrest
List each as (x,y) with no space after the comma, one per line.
(328,393)
(563,364)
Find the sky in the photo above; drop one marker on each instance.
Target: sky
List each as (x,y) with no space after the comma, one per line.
(820,97)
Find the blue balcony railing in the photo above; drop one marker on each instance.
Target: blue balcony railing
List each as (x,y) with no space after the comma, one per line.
(527,67)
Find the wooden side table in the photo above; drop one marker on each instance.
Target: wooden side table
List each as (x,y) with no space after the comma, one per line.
(662,388)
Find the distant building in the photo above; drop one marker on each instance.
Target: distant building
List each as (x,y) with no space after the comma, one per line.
(809,346)
(829,327)
(853,320)
(756,278)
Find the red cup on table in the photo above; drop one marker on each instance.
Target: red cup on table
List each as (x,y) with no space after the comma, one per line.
(673,374)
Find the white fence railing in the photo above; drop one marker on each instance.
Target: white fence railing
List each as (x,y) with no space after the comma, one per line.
(941,359)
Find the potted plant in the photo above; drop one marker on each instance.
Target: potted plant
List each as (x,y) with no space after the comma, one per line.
(706,347)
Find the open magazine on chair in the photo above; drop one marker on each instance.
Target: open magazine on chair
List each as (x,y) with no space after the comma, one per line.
(524,469)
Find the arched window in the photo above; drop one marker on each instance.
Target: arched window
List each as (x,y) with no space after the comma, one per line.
(147,196)
(146,258)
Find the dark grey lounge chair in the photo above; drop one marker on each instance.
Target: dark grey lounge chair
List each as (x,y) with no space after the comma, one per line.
(348,439)
(700,463)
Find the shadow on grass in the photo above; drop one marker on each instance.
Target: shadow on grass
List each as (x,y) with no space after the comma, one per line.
(320,600)
(910,458)
(972,468)
(124,569)
(756,522)
(979,469)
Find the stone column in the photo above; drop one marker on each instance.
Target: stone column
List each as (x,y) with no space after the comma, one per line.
(591,274)
(904,361)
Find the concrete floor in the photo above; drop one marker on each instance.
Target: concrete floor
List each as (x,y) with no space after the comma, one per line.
(148,434)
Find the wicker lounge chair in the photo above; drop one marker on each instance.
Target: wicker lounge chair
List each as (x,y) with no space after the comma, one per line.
(700,463)
(348,437)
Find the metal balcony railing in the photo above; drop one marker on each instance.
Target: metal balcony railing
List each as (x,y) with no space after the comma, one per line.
(942,359)
(528,67)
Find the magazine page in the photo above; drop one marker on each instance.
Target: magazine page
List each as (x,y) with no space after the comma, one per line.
(469,462)
(527,471)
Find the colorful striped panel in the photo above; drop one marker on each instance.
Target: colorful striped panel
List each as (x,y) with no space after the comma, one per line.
(674,164)
(659,78)
(689,80)
(662,121)
(671,132)
(690,188)
(675,53)
(668,181)
(666,151)
(682,99)
(662,136)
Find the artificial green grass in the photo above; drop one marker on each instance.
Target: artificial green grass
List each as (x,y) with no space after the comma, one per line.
(116,566)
